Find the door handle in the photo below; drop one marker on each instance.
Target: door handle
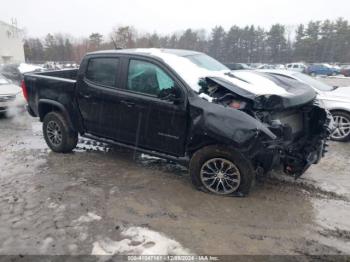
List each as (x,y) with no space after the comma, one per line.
(87,96)
(127,103)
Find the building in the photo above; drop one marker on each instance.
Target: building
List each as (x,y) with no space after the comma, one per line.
(11,44)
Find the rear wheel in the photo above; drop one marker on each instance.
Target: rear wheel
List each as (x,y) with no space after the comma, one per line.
(57,133)
(221,170)
(342,126)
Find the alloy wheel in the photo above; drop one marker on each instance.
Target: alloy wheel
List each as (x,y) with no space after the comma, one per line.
(342,127)
(54,133)
(220,176)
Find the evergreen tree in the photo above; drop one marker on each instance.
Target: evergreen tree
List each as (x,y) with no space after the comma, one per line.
(216,45)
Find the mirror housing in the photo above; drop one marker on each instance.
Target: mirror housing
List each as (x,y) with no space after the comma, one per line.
(171,95)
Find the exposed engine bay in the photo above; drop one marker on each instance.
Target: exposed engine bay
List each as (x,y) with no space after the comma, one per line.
(300,131)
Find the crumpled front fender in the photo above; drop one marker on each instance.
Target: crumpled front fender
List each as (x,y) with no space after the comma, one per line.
(226,125)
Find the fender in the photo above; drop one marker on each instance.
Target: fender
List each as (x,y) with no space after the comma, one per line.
(217,124)
(61,107)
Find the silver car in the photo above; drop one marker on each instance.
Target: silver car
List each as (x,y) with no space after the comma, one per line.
(336,99)
(11,97)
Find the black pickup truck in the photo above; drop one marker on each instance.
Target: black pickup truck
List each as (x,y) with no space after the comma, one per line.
(227,127)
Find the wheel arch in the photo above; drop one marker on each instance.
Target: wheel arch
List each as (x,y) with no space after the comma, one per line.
(339,110)
(46,106)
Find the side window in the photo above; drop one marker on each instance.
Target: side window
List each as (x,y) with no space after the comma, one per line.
(295,66)
(102,71)
(147,78)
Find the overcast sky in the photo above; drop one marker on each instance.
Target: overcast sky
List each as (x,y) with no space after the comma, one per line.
(81,17)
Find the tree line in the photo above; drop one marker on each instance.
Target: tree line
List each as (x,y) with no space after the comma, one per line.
(316,41)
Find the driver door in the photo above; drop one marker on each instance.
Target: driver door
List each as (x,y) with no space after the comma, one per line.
(147,120)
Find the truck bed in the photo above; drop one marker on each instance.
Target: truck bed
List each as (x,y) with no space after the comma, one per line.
(65,74)
(56,86)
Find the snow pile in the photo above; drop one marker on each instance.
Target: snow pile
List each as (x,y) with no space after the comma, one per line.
(139,241)
(26,68)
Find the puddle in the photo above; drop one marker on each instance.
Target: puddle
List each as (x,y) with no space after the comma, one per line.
(332,214)
(333,218)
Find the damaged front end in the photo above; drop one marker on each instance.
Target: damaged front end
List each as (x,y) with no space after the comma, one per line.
(270,130)
(302,135)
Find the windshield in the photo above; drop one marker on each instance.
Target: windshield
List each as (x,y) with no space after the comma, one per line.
(313,82)
(206,62)
(3,80)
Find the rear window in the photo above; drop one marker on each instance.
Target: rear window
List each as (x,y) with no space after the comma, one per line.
(103,71)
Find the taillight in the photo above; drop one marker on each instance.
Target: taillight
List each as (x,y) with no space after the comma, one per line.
(24,90)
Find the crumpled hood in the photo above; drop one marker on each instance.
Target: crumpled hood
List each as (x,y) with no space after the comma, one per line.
(268,92)
(254,82)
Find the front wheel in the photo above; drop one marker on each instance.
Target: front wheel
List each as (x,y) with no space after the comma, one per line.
(342,126)
(221,170)
(57,133)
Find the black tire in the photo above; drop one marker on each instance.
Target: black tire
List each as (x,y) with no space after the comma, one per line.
(346,116)
(68,138)
(208,153)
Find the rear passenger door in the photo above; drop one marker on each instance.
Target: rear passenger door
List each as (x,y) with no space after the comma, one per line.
(98,96)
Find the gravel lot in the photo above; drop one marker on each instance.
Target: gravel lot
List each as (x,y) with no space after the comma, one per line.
(102,200)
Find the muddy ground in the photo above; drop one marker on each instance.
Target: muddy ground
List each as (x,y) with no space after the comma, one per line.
(102,200)
(67,204)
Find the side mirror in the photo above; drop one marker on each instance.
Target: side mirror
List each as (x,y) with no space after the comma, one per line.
(171,95)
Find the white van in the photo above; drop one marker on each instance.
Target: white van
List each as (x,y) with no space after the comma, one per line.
(299,67)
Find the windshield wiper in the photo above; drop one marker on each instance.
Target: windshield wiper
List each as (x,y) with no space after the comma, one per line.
(234,76)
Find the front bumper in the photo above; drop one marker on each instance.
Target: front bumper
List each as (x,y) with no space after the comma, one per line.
(296,153)
(312,147)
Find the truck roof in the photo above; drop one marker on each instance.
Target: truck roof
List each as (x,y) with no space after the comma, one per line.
(149,51)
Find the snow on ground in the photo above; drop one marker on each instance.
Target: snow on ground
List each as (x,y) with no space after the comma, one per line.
(332,214)
(89,217)
(139,241)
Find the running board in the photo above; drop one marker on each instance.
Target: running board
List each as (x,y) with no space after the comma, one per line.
(180,160)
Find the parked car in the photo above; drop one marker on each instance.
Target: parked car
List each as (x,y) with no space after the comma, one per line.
(187,107)
(266,66)
(238,66)
(271,66)
(345,70)
(321,69)
(336,99)
(11,72)
(14,72)
(298,67)
(11,97)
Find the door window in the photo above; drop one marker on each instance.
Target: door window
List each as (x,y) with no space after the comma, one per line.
(103,71)
(147,78)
